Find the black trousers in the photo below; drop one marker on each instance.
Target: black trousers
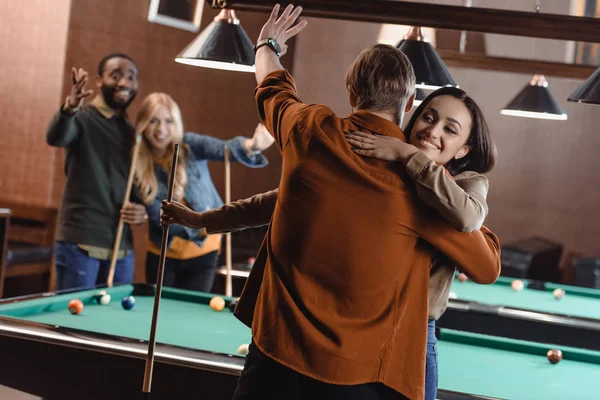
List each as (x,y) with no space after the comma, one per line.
(265,379)
(193,274)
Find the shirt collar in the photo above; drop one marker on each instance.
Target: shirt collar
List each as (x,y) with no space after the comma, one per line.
(376,124)
(99,104)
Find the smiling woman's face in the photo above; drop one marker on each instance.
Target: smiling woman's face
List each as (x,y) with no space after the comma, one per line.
(161,129)
(442,129)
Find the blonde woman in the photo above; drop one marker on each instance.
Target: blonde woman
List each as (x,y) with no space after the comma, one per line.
(192,254)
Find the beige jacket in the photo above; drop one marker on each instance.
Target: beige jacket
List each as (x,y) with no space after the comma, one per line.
(461,200)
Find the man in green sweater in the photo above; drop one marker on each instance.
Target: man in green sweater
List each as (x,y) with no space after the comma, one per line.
(98,138)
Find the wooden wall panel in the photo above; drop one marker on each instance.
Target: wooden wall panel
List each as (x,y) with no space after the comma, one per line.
(33,37)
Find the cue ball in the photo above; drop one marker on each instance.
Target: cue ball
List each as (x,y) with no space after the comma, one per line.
(453,295)
(462,277)
(75,306)
(517,285)
(217,303)
(105,299)
(233,305)
(558,294)
(554,356)
(243,349)
(99,295)
(128,302)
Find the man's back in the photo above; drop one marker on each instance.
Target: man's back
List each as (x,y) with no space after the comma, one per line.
(344,293)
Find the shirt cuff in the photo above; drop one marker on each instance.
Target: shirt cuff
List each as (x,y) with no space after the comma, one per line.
(417,164)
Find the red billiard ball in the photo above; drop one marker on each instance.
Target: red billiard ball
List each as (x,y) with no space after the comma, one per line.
(75,306)
(554,356)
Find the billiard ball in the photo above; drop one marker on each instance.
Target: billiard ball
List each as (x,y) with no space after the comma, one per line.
(105,299)
(453,295)
(517,285)
(217,303)
(243,349)
(558,293)
(233,305)
(128,302)
(251,261)
(75,306)
(554,356)
(462,277)
(98,295)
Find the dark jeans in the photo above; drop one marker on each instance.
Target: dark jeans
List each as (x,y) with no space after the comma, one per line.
(431,364)
(193,274)
(265,379)
(76,269)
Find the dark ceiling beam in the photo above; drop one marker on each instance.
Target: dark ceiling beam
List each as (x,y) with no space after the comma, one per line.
(517,23)
(520,66)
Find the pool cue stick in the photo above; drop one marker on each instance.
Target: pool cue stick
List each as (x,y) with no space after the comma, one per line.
(117,244)
(159,282)
(228,283)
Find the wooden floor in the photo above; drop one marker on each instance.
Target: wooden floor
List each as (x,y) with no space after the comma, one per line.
(7,393)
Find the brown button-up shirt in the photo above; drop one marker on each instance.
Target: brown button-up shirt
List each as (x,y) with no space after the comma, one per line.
(324,300)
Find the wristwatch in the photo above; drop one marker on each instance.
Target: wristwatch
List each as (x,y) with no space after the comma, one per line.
(273,45)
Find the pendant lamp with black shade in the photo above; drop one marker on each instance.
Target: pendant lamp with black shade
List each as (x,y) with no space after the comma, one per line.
(222,45)
(430,70)
(589,91)
(535,101)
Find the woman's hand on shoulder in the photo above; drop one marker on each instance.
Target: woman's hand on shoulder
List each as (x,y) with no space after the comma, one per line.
(387,148)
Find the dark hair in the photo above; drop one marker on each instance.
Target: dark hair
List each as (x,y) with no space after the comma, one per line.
(105,59)
(482,156)
(381,79)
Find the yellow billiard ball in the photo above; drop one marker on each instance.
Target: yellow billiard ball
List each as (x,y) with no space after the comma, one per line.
(217,303)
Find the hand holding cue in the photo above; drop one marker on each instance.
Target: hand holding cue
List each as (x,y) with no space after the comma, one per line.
(117,244)
(228,283)
(159,282)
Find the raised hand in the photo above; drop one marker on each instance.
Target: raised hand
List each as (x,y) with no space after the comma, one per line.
(261,140)
(281,28)
(78,91)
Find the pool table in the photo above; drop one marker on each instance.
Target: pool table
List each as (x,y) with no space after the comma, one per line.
(100,353)
(531,314)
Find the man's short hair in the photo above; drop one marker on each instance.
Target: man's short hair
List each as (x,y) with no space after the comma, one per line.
(104,60)
(381,79)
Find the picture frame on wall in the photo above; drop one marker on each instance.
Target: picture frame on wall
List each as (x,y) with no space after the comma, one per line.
(181,14)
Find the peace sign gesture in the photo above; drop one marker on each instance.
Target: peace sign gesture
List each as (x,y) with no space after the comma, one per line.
(279,28)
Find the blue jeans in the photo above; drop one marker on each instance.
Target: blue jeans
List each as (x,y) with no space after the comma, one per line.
(431,363)
(76,269)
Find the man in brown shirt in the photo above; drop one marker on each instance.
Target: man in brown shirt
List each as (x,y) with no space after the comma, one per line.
(337,299)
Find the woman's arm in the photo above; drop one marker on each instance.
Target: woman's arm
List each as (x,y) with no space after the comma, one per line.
(243,150)
(460,200)
(238,215)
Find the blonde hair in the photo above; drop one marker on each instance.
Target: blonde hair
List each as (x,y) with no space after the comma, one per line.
(144,176)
